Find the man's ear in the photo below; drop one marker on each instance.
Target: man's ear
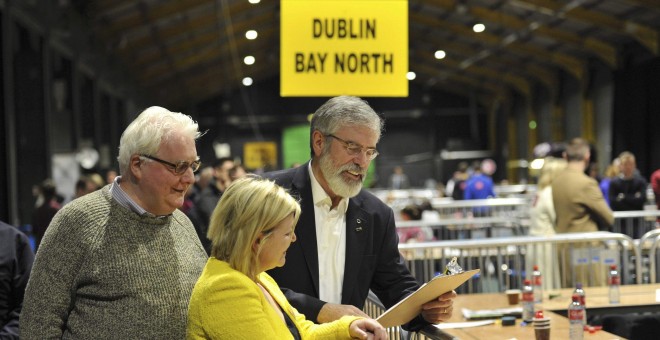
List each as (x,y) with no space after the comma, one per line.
(135,166)
(318,142)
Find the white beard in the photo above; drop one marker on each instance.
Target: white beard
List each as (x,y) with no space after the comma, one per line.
(336,181)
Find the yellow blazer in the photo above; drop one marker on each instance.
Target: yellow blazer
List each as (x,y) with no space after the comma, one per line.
(226,304)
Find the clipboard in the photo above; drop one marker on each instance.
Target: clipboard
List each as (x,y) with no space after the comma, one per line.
(411,306)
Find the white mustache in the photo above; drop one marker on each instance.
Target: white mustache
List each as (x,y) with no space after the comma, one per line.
(353,168)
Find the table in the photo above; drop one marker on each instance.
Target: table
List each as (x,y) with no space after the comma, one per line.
(633,299)
(632,296)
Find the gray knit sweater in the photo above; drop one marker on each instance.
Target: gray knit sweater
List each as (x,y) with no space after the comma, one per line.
(104,272)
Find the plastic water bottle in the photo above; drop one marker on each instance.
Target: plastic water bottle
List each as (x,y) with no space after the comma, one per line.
(527,301)
(583,300)
(614,281)
(575,317)
(537,284)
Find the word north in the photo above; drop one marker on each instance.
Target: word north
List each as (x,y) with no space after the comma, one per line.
(345,62)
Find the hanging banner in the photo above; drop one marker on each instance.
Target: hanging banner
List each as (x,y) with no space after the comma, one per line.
(336,47)
(260,155)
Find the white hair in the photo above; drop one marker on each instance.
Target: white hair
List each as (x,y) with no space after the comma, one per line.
(153,126)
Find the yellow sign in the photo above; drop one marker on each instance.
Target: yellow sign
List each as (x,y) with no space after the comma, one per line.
(260,155)
(352,47)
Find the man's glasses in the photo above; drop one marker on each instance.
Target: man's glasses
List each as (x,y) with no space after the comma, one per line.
(180,167)
(355,149)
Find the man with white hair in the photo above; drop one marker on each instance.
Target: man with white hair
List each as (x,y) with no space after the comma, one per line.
(121,262)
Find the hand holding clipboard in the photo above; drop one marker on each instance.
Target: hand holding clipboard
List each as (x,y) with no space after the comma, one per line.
(411,306)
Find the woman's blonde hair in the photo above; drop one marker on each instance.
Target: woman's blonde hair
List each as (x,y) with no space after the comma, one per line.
(249,207)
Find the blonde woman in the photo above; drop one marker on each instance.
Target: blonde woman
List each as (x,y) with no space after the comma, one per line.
(251,229)
(542,215)
(542,223)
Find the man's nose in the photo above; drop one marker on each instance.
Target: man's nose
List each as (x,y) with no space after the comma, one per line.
(188,176)
(362,159)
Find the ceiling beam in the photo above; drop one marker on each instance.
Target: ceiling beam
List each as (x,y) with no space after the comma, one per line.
(528,67)
(194,24)
(653,4)
(572,65)
(446,75)
(198,59)
(602,50)
(145,15)
(645,35)
(212,83)
(517,82)
(112,5)
(205,39)
(606,52)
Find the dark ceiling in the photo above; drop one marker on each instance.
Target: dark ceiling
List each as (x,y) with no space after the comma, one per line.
(185,52)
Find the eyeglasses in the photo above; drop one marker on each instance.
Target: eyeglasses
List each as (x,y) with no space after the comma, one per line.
(180,167)
(355,149)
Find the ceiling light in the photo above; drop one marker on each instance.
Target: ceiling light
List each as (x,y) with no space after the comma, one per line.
(249,60)
(411,75)
(478,28)
(440,54)
(251,34)
(247,81)
(254,1)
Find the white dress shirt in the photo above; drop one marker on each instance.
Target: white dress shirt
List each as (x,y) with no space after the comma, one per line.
(330,241)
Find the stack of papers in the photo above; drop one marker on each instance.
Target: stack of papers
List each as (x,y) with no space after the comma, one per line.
(487,314)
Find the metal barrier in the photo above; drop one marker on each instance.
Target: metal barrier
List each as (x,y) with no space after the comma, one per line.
(513,207)
(515,190)
(374,308)
(635,223)
(505,261)
(650,241)
(470,227)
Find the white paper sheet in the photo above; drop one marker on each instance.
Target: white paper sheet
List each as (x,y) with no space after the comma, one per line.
(451,325)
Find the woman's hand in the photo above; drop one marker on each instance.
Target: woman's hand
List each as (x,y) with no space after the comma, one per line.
(367,329)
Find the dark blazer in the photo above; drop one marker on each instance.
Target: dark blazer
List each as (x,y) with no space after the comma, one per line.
(16,259)
(373,260)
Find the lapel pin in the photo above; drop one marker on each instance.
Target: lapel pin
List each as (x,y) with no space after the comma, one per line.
(358,228)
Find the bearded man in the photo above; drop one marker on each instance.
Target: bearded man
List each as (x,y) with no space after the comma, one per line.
(347,241)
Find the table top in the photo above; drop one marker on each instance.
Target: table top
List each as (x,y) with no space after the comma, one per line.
(558,330)
(597,297)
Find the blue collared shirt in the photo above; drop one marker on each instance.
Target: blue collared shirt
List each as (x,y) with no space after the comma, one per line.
(119,195)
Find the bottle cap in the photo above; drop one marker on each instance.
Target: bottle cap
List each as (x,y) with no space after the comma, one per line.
(527,282)
(536,267)
(578,285)
(613,266)
(508,320)
(539,314)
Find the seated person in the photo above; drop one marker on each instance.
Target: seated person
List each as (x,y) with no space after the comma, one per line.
(251,228)
(413,212)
